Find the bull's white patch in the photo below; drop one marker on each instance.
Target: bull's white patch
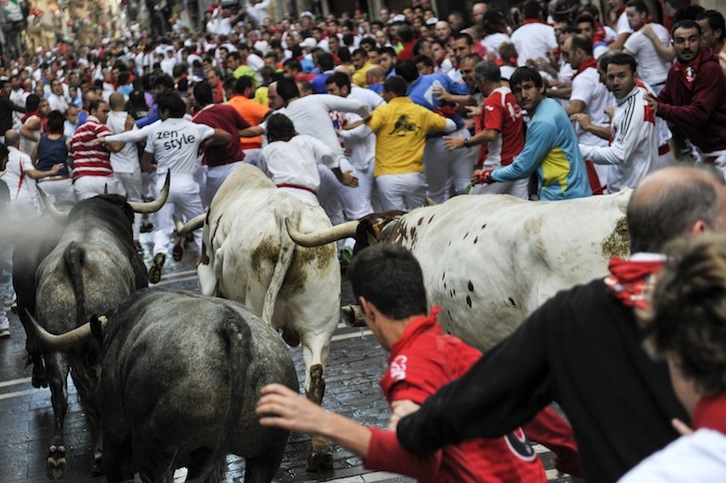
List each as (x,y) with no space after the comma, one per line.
(398,368)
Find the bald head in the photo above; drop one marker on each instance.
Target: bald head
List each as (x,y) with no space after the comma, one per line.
(116,101)
(673,202)
(12,138)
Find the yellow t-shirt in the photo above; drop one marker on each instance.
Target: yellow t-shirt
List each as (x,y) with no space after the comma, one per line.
(401,127)
(359,77)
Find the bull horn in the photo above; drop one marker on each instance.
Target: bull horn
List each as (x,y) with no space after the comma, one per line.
(70,339)
(194,224)
(55,213)
(308,240)
(153,206)
(430,201)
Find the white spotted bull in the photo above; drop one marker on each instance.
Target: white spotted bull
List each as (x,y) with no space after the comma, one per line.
(247,256)
(179,382)
(490,260)
(90,268)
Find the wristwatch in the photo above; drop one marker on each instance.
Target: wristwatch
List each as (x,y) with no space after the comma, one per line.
(466,142)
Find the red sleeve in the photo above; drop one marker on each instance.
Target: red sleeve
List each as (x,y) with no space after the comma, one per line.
(493,115)
(549,429)
(707,94)
(406,390)
(386,454)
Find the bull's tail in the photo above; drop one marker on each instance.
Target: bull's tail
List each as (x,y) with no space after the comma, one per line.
(74,257)
(284,260)
(237,336)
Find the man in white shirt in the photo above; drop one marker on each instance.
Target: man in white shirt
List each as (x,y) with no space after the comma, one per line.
(125,163)
(588,96)
(533,39)
(252,60)
(652,67)
(57,99)
(20,175)
(291,160)
(360,142)
(622,26)
(174,144)
(634,149)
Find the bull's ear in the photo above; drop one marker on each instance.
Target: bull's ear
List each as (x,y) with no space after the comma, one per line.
(97,324)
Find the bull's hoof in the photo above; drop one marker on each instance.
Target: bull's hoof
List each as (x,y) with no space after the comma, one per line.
(319,461)
(55,467)
(156,265)
(39,378)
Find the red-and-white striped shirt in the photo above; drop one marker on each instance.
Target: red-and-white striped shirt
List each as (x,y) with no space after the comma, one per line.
(89,159)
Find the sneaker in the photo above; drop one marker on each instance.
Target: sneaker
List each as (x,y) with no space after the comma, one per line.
(155,270)
(4,333)
(147,228)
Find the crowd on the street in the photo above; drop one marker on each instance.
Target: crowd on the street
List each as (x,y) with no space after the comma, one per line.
(543,102)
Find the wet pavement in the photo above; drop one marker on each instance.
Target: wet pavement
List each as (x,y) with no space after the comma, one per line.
(355,364)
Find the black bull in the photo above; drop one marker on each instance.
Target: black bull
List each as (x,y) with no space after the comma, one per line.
(63,273)
(179,381)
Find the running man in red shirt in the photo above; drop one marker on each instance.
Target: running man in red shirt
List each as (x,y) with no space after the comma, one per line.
(499,129)
(388,282)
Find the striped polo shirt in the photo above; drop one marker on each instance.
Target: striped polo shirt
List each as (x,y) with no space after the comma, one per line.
(89,159)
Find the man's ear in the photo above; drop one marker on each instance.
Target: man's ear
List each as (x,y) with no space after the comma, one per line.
(698,227)
(367,308)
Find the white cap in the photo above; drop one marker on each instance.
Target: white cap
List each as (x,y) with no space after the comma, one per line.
(309,43)
(432,21)
(397,19)
(307,14)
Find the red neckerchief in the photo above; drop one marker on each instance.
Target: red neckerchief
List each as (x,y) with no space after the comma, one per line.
(709,413)
(600,33)
(589,62)
(620,11)
(28,115)
(689,70)
(645,22)
(631,281)
(530,20)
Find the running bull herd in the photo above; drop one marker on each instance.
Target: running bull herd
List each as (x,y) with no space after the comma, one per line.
(171,378)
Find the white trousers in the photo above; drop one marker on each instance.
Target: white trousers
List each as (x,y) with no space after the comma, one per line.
(131,184)
(403,192)
(448,171)
(185,202)
(59,190)
(352,201)
(215,178)
(89,186)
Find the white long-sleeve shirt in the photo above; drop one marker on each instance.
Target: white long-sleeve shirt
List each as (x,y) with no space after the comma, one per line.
(633,151)
(311,116)
(295,162)
(126,160)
